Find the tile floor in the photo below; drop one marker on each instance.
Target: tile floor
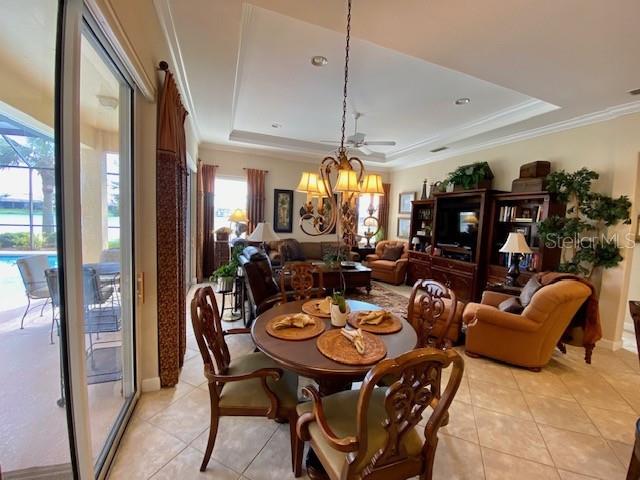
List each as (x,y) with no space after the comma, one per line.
(571,421)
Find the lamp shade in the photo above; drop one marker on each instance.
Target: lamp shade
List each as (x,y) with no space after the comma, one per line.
(516,243)
(372,184)
(370,222)
(415,241)
(347,181)
(238,216)
(263,233)
(308,183)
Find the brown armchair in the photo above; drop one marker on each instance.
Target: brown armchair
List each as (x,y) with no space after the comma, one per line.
(527,339)
(390,271)
(372,433)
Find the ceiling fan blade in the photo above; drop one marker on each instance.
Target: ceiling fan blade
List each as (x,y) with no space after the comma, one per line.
(330,142)
(380,142)
(365,150)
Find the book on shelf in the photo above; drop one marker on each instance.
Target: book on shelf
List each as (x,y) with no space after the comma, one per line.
(520,214)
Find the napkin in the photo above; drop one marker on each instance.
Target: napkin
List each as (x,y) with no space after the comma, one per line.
(325,305)
(299,320)
(355,337)
(373,318)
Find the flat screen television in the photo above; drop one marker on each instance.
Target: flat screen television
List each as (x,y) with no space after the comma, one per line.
(457,229)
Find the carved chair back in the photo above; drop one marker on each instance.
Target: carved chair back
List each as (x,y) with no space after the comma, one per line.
(297,282)
(207,328)
(428,312)
(418,386)
(634,307)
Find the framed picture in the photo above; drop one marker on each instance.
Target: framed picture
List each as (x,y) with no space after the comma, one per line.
(283,211)
(404,225)
(524,231)
(404,206)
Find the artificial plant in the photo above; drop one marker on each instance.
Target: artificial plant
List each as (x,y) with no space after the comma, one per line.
(582,233)
(468,176)
(229,269)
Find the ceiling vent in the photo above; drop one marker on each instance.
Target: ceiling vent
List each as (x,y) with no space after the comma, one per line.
(439,149)
(635,92)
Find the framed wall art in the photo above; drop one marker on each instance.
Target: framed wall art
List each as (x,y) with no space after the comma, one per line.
(404,205)
(283,211)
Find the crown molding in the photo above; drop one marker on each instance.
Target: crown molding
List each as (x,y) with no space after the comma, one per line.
(245,21)
(121,44)
(607,114)
(168,27)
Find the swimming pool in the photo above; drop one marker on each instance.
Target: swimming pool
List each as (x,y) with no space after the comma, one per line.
(11,287)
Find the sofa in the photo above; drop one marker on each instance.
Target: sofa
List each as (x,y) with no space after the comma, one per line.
(387,270)
(529,338)
(291,250)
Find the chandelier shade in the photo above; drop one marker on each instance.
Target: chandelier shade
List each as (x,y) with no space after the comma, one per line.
(372,185)
(347,181)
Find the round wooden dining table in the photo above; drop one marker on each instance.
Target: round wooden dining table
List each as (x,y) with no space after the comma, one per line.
(304,358)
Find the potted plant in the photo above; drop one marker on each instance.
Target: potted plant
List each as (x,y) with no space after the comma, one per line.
(582,233)
(339,310)
(333,258)
(470,177)
(224,275)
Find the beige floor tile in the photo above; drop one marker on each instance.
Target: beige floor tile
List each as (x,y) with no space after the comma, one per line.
(462,423)
(565,475)
(193,371)
(143,450)
(500,466)
(187,417)
(628,386)
(490,372)
(274,460)
(630,358)
(568,415)
(239,440)
(606,361)
(186,465)
(499,399)
(581,453)
(542,383)
(457,459)
(511,435)
(463,394)
(592,389)
(623,451)
(151,403)
(618,426)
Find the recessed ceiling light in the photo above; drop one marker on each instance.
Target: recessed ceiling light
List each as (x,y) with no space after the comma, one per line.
(276,125)
(463,101)
(319,61)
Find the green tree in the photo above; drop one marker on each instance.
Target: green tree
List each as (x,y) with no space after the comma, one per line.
(39,153)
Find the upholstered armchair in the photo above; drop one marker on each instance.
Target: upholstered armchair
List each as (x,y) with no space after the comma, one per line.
(529,338)
(386,267)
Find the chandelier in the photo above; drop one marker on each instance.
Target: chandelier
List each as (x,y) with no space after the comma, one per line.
(341,179)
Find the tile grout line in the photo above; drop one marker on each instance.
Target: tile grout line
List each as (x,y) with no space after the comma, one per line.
(259,452)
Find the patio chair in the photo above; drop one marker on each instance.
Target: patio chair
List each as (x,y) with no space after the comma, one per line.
(101,313)
(35,284)
(51,275)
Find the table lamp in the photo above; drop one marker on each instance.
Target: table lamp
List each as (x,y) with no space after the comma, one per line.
(263,233)
(415,241)
(515,246)
(238,216)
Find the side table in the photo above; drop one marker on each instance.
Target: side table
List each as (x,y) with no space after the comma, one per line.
(364,251)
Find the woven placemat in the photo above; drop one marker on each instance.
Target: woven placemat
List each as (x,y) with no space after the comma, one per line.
(332,344)
(294,333)
(391,324)
(312,308)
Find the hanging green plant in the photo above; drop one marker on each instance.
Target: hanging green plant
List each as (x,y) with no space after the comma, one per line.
(582,233)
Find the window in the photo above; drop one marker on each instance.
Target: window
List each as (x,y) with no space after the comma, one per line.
(27,188)
(363,212)
(113,199)
(230,194)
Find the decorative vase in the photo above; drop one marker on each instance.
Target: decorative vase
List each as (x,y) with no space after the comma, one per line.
(339,319)
(224,284)
(424,190)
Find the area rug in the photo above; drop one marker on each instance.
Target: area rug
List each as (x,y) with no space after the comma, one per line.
(383,297)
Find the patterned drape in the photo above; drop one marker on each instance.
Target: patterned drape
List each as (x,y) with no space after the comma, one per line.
(206,213)
(383,209)
(255,197)
(171,208)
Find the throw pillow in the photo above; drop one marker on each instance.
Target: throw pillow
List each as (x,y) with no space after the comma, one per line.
(392,253)
(294,251)
(531,287)
(511,305)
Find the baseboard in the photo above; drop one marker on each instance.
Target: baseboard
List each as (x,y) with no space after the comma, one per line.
(49,472)
(150,384)
(612,345)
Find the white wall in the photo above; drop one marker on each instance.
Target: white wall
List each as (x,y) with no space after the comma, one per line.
(283,174)
(610,148)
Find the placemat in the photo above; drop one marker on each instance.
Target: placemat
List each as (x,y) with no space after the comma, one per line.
(294,333)
(311,308)
(332,344)
(391,324)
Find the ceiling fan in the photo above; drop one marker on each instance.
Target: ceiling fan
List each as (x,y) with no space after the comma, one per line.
(358,139)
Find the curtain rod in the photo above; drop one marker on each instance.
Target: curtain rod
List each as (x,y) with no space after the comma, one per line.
(265,171)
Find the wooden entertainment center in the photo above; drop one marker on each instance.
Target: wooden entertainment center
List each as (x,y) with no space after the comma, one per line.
(465,230)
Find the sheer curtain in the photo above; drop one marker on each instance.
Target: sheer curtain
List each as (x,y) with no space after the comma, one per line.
(171,208)
(255,197)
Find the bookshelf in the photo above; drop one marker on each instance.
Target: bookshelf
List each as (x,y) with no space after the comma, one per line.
(521,212)
(422,222)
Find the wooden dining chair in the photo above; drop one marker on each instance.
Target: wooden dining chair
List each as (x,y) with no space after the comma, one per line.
(634,308)
(250,385)
(373,433)
(431,314)
(634,465)
(297,282)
